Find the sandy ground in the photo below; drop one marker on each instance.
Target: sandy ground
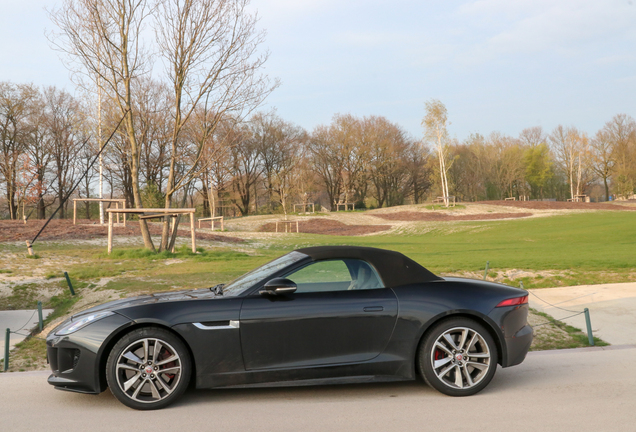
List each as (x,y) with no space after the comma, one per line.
(589,389)
(612,308)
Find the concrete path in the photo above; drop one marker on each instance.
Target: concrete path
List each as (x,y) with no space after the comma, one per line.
(612,308)
(589,389)
(16,320)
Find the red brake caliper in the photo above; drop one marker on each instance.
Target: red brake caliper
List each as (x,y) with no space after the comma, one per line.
(439,354)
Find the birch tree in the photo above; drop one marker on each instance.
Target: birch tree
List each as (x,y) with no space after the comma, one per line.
(435,124)
(570,147)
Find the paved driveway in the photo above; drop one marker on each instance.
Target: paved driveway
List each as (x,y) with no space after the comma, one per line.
(612,309)
(16,320)
(590,389)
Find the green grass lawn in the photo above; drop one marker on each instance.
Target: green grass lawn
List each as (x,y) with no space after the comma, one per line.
(587,241)
(582,248)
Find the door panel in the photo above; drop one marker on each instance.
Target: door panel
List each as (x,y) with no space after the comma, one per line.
(316,328)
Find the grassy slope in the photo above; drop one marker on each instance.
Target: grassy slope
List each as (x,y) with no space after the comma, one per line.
(589,241)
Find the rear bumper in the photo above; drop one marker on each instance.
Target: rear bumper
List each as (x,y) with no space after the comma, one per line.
(518,346)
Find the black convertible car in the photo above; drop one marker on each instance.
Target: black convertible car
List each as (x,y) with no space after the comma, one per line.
(320,315)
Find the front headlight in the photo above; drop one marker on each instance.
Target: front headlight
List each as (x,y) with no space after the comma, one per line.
(73,326)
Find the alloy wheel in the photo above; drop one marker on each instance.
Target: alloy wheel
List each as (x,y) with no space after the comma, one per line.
(148,370)
(460,358)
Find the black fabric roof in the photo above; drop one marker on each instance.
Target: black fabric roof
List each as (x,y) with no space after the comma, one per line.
(395,269)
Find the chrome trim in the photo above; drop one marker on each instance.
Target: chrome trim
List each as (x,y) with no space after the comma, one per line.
(233,325)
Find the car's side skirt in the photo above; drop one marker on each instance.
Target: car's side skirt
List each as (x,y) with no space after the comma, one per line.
(323,381)
(385,365)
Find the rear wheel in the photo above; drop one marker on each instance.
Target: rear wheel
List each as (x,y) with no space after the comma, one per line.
(458,357)
(149,368)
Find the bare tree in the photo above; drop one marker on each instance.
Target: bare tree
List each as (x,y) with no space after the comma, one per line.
(435,124)
(387,146)
(210,48)
(417,163)
(621,133)
(246,168)
(346,131)
(327,162)
(15,109)
(571,150)
(103,40)
(65,122)
(602,153)
(533,136)
(509,167)
(39,151)
(278,143)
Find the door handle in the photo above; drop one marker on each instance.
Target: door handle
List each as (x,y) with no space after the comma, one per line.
(373,309)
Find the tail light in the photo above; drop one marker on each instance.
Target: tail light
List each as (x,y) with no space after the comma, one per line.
(513,301)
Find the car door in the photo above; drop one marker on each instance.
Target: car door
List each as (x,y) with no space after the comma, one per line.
(334,317)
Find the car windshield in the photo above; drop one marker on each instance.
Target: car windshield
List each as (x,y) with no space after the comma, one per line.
(248,280)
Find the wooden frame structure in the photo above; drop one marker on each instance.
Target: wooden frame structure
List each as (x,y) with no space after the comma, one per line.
(346,206)
(579,198)
(451,200)
(212,219)
(152,213)
(289,225)
(305,207)
(103,200)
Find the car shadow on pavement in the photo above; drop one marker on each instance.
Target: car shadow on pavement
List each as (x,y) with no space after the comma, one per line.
(516,378)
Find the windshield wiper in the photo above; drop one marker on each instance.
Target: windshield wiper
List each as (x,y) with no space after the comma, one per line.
(217,289)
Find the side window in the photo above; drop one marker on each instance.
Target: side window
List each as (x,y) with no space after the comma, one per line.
(336,275)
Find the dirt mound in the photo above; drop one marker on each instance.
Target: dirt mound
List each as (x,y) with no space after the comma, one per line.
(329,227)
(63,229)
(558,205)
(439,216)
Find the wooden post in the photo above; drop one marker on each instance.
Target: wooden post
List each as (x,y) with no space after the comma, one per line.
(110,232)
(117,208)
(194,240)
(123,206)
(173,229)
(297,227)
(74,211)
(222,229)
(29,248)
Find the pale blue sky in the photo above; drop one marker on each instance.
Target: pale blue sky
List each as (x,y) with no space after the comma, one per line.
(497,64)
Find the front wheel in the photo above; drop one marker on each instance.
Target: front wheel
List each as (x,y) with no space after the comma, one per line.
(149,368)
(458,357)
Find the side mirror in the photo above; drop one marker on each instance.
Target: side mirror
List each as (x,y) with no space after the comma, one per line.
(278,286)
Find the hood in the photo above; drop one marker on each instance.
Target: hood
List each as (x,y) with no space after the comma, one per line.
(196,294)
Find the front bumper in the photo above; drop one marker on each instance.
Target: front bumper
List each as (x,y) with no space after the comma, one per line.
(77,360)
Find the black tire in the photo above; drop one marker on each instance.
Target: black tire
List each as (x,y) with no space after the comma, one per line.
(454,369)
(135,374)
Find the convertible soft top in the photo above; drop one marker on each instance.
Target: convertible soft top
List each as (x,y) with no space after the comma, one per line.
(395,269)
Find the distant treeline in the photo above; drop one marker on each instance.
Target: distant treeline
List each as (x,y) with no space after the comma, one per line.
(267,164)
